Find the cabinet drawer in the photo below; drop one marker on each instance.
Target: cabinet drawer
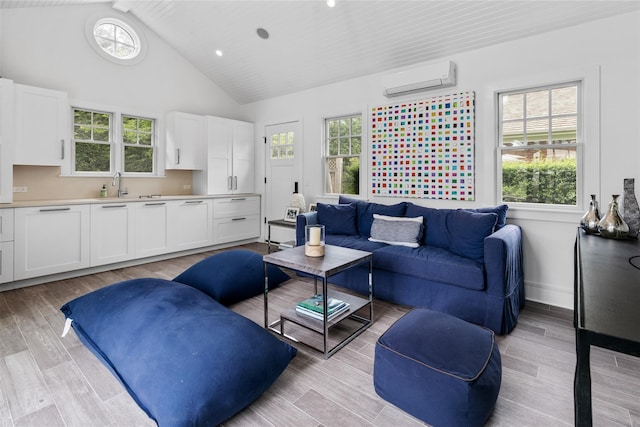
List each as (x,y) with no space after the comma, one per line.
(236,206)
(238,228)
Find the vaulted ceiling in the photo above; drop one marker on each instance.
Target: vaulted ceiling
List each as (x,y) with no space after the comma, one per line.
(311,44)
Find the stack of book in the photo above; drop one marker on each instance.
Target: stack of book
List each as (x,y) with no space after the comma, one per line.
(313,307)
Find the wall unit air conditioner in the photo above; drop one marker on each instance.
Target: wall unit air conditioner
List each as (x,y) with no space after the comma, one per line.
(434,76)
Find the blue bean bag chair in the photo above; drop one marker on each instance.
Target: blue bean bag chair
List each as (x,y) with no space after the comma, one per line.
(186,359)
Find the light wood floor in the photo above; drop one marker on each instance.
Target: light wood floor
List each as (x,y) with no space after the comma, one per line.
(50,381)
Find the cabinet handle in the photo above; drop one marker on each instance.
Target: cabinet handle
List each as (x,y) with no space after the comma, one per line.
(62,149)
(238,219)
(54,209)
(177,156)
(235,182)
(229,183)
(155,204)
(238,199)
(193,202)
(114,206)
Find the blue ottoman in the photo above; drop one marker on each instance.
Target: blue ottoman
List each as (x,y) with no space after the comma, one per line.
(439,368)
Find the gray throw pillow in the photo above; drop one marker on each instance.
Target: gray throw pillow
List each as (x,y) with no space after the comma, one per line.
(394,230)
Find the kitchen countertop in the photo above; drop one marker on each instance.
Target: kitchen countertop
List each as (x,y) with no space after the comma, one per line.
(93,201)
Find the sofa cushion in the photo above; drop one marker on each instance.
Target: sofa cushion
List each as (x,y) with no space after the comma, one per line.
(500,210)
(431,263)
(394,230)
(353,242)
(338,219)
(231,276)
(435,224)
(467,231)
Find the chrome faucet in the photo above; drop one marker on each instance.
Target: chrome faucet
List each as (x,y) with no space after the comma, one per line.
(118,177)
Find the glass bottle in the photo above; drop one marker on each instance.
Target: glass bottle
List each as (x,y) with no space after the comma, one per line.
(591,218)
(612,225)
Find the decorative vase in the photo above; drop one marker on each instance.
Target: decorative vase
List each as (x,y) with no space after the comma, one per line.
(631,212)
(297,200)
(612,225)
(591,218)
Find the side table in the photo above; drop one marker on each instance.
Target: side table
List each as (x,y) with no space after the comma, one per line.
(277,223)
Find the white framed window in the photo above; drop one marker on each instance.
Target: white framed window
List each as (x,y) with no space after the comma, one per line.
(540,142)
(343,150)
(108,141)
(138,136)
(282,146)
(116,40)
(92,141)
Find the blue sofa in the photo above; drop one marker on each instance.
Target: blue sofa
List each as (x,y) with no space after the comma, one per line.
(464,262)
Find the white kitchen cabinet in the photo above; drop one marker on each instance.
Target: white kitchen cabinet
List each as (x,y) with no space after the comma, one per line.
(151,228)
(6,245)
(184,141)
(42,127)
(236,218)
(190,224)
(112,233)
(51,239)
(6,140)
(230,166)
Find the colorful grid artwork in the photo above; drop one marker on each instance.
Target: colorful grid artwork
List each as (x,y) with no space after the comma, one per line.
(424,149)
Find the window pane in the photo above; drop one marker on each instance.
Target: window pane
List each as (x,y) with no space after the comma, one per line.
(145,125)
(129,137)
(92,157)
(138,159)
(82,117)
(101,135)
(343,175)
(290,138)
(564,130)
(538,103)
(274,152)
(101,119)
(356,126)
(129,123)
(344,127)
(537,131)
(344,146)
(333,147)
(356,145)
(333,128)
(290,153)
(512,107)
(564,100)
(513,133)
(144,139)
(545,176)
(82,132)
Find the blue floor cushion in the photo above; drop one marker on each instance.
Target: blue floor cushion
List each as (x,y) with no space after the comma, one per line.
(231,276)
(184,358)
(438,368)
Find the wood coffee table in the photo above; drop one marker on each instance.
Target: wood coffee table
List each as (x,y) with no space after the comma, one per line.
(335,260)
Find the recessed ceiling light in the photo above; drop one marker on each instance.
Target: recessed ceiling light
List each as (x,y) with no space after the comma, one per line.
(262,33)
(218,52)
(331,3)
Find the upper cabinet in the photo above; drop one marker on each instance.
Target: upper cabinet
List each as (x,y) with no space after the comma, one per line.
(41,127)
(230,158)
(184,141)
(6,141)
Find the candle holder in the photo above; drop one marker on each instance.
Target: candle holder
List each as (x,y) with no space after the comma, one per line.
(314,240)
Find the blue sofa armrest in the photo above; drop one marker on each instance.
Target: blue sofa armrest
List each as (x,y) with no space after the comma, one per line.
(505,273)
(307,218)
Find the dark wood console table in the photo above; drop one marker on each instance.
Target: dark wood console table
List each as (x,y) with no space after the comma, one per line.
(606,307)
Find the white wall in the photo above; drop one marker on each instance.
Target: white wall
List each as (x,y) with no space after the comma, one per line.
(606,53)
(47,47)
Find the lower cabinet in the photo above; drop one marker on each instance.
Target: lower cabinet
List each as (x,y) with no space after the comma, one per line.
(236,218)
(49,240)
(6,262)
(190,224)
(151,228)
(112,233)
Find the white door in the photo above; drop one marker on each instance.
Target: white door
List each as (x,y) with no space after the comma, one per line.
(283,167)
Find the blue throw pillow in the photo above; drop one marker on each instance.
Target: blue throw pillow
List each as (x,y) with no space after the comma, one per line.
(435,224)
(500,210)
(231,276)
(467,231)
(338,219)
(184,358)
